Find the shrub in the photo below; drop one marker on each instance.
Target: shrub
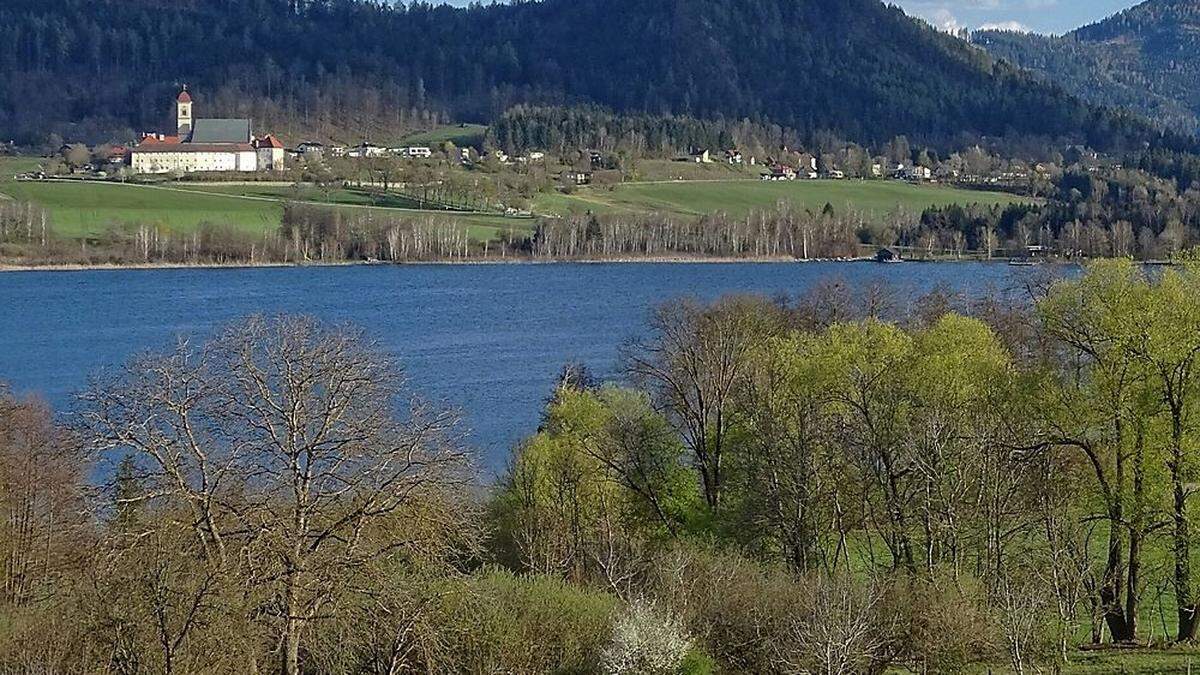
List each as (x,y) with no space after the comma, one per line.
(945,622)
(646,641)
(504,623)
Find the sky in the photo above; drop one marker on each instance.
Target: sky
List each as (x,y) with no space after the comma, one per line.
(1043,16)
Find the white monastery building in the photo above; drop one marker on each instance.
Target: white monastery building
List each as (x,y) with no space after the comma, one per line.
(201,145)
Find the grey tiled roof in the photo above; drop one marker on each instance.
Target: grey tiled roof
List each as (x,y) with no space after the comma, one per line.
(220,131)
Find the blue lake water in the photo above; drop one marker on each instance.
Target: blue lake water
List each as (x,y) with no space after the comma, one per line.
(488,339)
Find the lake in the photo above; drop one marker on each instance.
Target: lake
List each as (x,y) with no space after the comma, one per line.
(489,339)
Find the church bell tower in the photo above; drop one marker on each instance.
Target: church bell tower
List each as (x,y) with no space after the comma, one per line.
(183,113)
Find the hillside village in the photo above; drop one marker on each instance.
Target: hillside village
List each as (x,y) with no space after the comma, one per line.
(201,148)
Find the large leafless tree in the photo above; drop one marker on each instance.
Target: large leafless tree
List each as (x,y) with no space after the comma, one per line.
(291,448)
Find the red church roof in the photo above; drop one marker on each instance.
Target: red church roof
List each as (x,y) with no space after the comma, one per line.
(269,141)
(193,147)
(184,96)
(152,139)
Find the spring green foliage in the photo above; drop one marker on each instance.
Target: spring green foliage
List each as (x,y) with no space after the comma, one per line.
(780,487)
(1022,493)
(604,467)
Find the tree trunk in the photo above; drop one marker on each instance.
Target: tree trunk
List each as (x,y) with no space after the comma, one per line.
(1132,589)
(1110,589)
(1184,602)
(1183,566)
(291,630)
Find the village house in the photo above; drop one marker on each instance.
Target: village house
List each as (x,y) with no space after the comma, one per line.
(780,172)
(576,177)
(734,157)
(366,150)
(198,145)
(808,166)
(309,149)
(913,173)
(418,152)
(270,153)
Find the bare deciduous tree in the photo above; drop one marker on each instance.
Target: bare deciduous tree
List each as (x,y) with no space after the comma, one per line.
(285,443)
(41,500)
(693,361)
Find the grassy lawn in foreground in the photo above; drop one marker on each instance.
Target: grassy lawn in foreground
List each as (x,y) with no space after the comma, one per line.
(1176,660)
(311,193)
(737,198)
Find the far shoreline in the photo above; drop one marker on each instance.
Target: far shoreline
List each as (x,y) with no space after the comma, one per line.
(9,267)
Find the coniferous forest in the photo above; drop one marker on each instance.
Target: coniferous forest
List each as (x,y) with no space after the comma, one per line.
(1143,59)
(95,70)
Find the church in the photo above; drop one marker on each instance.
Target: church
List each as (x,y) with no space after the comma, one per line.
(206,145)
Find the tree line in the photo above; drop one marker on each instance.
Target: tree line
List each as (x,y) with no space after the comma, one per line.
(1082,211)
(845,482)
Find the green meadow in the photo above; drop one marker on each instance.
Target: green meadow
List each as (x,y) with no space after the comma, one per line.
(482,226)
(739,197)
(84,209)
(10,166)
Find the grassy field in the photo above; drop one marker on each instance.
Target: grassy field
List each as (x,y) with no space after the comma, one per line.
(87,209)
(312,193)
(1178,660)
(80,209)
(482,227)
(665,169)
(10,166)
(738,197)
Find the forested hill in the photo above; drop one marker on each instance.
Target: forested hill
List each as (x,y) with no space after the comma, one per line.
(1146,59)
(86,68)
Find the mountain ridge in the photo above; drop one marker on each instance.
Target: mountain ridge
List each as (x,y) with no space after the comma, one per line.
(1145,59)
(858,68)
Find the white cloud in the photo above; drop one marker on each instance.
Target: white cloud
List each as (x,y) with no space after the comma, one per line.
(945,19)
(1022,15)
(1016,26)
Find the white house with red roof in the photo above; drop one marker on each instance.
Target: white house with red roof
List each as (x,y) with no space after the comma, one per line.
(270,153)
(205,145)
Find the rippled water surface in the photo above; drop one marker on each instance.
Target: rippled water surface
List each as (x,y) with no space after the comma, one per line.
(488,339)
